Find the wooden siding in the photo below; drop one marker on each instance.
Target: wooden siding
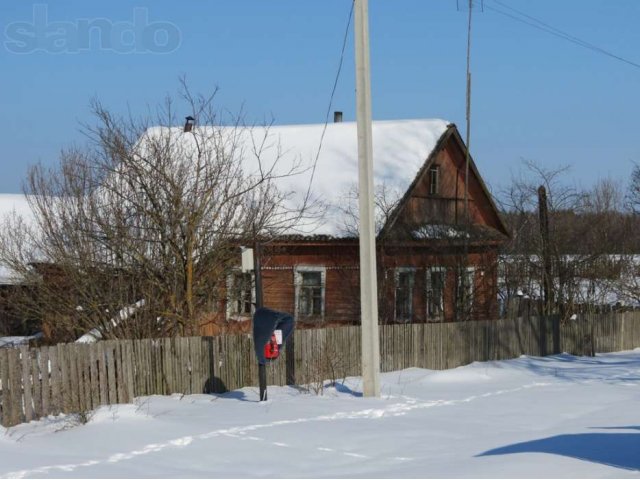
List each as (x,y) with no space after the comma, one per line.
(342,286)
(447,206)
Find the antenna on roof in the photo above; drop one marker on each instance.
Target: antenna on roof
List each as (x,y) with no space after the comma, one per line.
(189,123)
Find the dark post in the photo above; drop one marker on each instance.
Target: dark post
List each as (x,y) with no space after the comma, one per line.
(290,367)
(546,261)
(257,270)
(546,256)
(556,335)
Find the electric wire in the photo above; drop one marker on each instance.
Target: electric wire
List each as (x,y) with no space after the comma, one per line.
(330,106)
(534,22)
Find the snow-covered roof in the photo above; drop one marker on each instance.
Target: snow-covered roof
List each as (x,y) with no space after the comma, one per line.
(400,148)
(17,203)
(13,205)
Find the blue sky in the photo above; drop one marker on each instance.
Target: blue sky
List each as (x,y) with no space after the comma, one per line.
(535,96)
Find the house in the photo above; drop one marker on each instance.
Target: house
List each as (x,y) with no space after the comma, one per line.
(437,240)
(433,265)
(12,322)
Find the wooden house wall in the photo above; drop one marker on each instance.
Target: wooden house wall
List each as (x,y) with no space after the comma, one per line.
(342,284)
(447,207)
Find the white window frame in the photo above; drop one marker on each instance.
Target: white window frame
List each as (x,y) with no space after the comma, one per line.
(297,281)
(231,313)
(396,279)
(429,289)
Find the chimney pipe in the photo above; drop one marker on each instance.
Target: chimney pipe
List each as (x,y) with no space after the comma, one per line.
(190,122)
(337,117)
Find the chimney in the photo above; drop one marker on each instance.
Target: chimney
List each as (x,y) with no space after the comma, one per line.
(190,122)
(337,117)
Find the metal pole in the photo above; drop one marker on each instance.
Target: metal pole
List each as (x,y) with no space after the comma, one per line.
(368,281)
(257,272)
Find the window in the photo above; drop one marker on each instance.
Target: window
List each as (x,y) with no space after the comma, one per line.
(405,278)
(434,180)
(435,293)
(464,297)
(240,294)
(310,288)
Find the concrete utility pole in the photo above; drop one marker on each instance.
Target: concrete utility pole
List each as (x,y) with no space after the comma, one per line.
(257,272)
(368,281)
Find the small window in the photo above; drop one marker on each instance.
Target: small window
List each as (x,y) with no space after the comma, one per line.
(310,288)
(435,293)
(405,278)
(240,294)
(465,290)
(434,180)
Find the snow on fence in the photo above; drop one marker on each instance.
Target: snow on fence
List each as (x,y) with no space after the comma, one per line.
(75,378)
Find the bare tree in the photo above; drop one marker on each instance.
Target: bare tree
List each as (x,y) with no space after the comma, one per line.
(145,222)
(386,199)
(585,227)
(633,190)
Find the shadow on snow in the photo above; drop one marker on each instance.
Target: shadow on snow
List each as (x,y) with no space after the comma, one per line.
(621,450)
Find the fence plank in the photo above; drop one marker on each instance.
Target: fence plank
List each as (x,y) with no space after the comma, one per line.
(111,372)
(88,392)
(44,368)
(27,383)
(131,365)
(94,382)
(56,395)
(75,379)
(65,406)
(15,386)
(37,386)
(120,373)
(185,366)
(5,399)
(157,355)
(103,378)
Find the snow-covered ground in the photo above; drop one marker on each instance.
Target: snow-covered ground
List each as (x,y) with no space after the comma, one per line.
(559,416)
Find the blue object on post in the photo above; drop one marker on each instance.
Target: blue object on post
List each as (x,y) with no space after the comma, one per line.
(265,323)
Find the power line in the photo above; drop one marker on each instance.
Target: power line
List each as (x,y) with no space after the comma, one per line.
(333,92)
(534,22)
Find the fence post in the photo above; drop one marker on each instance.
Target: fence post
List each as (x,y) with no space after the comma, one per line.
(542,334)
(555,319)
(290,355)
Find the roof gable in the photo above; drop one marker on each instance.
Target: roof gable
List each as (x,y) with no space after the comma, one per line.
(419,207)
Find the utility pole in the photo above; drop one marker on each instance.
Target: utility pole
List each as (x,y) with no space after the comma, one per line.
(368,280)
(257,272)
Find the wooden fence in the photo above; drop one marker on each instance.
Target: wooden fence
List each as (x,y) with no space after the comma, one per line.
(72,378)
